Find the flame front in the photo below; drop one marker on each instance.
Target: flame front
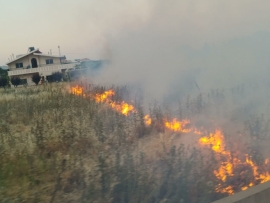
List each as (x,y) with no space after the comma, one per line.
(178,126)
(261,177)
(77,90)
(104,97)
(215,141)
(123,108)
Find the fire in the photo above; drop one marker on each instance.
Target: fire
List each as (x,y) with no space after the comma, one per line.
(215,140)
(253,166)
(178,126)
(104,96)
(77,90)
(244,188)
(229,190)
(147,120)
(261,177)
(226,169)
(123,108)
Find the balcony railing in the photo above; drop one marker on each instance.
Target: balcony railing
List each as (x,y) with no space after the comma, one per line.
(48,68)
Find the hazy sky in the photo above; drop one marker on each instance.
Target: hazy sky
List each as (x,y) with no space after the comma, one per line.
(88,28)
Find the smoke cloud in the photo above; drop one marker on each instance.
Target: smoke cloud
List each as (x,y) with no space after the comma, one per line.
(167,47)
(185,47)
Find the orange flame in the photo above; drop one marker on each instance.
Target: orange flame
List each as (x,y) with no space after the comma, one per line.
(261,177)
(216,142)
(229,190)
(178,126)
(147,120)
(226,169)
(104,96)
(77,90)
(123,107)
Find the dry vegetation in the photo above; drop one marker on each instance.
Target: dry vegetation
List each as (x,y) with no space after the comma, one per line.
(59,147)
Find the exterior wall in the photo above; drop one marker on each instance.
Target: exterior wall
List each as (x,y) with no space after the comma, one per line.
(28,77)
(257,194)
(42,60)
(24,60)
(43,71)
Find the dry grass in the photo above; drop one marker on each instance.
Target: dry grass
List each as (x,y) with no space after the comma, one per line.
(58,147)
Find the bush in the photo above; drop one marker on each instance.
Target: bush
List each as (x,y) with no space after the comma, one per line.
(57,76)
(4,79)
(36,78)
(3,82)
(15,81)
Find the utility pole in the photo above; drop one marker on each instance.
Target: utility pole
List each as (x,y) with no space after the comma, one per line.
(59,50)
(60,54)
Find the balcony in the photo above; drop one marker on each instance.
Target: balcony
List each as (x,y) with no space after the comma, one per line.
(48,69)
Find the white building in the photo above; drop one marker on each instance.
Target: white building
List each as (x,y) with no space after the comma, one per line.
(25,65)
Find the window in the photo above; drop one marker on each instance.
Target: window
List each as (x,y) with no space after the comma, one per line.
(49,61)
(19,65)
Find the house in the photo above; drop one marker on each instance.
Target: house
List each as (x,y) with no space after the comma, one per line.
(34,61)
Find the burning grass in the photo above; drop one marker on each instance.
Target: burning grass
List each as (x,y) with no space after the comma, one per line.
(88,144)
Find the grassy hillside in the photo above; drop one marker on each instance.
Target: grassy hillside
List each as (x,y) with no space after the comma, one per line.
(59,147)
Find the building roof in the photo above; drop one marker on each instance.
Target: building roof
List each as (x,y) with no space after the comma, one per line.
(37,53)
(21,56)
(54,56)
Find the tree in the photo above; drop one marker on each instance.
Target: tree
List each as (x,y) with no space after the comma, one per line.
(3,81)
(15,81)
(36,78)
(57,76)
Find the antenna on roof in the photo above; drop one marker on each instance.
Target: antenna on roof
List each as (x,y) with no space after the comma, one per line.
(50,51)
